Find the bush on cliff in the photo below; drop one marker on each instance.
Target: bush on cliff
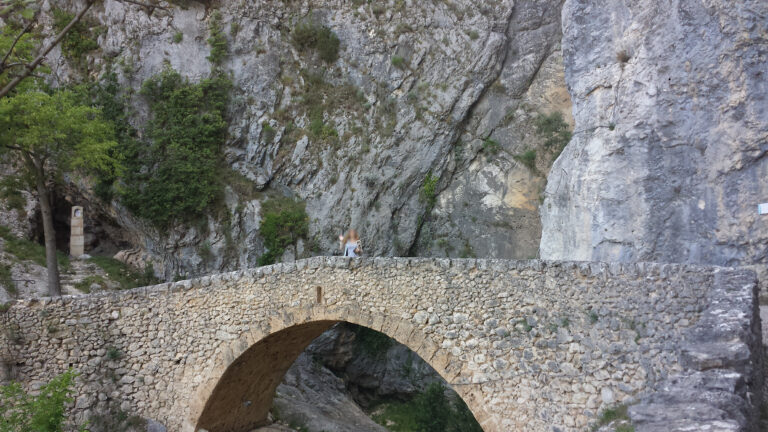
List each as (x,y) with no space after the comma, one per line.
(175,176)
(283,222)
(23,412)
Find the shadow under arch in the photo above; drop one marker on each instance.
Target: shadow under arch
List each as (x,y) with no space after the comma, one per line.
(237,394)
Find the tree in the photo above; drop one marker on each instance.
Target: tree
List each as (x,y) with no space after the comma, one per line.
(20,56)
(45,135)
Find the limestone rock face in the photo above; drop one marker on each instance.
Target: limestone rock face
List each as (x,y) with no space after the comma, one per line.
(668,159)
(416,90)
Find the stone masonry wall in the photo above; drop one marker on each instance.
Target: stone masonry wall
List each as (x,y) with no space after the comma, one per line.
(529,345)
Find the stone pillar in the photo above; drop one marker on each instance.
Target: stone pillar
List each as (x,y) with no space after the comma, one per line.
(77,236)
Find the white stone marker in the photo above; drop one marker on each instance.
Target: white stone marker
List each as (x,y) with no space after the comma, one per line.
(76,236)
(762,208)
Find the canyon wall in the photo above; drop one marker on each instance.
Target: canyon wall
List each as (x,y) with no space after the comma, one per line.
(667,162)
(441,92)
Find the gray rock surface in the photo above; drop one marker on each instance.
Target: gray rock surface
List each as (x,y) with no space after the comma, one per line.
(372,374)
(326,387)
(668,158)
(313,398)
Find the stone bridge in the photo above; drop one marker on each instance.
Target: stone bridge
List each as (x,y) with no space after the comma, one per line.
(529,345)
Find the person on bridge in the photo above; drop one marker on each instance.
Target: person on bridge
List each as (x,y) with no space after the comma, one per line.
(350,244)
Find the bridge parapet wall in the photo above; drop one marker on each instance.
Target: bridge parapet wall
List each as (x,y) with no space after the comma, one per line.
(528,344)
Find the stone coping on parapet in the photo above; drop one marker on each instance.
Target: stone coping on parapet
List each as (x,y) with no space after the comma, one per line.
(584,268)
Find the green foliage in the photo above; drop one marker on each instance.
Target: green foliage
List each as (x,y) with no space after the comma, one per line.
(553,129)
(430,411)
(428,193)
(116,420)
(217,40)
(283,222)
(491,147)
(308,35)
(24,50)
(527,158)
(205,252)
(25,250)
(178,37)
(123,274)
(79,40)
(398,62)
(84,285)
(319,130)
(371,342)
(114,353)
(106,95)
(320,98)
(593,317)
(268,132)
(10,192)
(56,128)
(6,279)
(22,412)
(473,34)
(617,414)
(467,251)
(175,177)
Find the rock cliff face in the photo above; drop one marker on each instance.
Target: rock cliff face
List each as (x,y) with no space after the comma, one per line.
(668,160)
(441,91)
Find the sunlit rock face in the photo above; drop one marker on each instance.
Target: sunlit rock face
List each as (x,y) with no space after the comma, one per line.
(668,159)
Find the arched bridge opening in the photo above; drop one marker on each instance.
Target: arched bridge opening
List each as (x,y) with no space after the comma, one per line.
(243,396)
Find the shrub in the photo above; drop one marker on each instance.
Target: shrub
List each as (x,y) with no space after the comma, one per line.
(623,56)
(268,132)
(6,279)
(617,413)
(10,192)
(593,317)
(79,40)
(378,9)
(123,274)
(553,129)
(527,158)
(371,342)
(398,62)
(307,35)
(84,285)
(217,40)
(175,177)
(106,94)
(116,420)
(114,353)
(283,222)
(428,192)
(473,35)
(491,147)
(178,37)
(430,411)
(44,412)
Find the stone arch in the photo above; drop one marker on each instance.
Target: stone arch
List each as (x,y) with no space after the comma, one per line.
(237,393)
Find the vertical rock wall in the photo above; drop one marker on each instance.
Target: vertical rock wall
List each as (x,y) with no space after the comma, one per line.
(668,160)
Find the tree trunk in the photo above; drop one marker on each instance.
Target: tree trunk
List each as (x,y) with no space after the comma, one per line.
(43,197)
